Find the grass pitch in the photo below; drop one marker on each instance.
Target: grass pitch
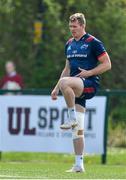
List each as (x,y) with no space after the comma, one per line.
(53,166)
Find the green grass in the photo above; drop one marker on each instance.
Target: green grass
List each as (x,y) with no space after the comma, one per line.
(53,166)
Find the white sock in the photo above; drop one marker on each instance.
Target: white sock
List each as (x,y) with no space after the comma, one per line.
(72,113)
(79,160)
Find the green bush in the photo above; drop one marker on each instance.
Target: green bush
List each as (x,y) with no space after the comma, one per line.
(117,127)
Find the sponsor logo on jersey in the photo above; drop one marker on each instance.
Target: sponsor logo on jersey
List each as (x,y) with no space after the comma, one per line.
(69,48)
(77,55)
(84,46)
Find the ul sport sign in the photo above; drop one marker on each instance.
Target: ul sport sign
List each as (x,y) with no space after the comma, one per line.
(31,123)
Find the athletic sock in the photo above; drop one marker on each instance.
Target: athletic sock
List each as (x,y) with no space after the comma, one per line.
(79,160)
(72,113)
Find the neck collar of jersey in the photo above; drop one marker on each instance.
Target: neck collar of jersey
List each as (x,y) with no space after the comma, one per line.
(82,38)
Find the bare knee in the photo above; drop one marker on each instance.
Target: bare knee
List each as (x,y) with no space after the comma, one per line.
(63,83)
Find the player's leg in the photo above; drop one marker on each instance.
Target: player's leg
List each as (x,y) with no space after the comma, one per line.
(71,87)
(78,140)
(78,132)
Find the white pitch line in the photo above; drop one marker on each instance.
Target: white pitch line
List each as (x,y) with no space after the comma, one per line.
(20,177)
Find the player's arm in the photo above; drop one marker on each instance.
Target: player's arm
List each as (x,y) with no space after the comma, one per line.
(65,73)
(104,65)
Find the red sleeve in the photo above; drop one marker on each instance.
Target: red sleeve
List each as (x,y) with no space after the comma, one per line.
(2,82)
(98,48)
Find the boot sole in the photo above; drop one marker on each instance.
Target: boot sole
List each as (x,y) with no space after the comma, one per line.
(66,128)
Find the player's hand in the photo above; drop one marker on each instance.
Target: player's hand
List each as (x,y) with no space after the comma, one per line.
(84,73)
(54,94)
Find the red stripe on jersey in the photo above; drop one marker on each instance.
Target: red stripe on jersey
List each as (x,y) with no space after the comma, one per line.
(89,90)
(102,54)
(69,40)
(89,39)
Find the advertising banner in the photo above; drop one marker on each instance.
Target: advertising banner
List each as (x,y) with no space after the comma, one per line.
(31,123)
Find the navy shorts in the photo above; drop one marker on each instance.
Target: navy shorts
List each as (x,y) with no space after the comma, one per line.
(89,91)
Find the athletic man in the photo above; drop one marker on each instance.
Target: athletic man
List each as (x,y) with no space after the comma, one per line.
(86,58)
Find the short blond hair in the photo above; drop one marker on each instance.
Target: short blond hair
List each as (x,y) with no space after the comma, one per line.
(80,17)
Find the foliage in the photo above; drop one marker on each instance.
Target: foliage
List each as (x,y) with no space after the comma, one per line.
(117,121)
(42,64)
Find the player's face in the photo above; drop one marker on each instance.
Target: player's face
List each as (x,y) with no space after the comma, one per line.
(76,29)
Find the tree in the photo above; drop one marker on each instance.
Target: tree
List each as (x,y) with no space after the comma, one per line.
(42,64)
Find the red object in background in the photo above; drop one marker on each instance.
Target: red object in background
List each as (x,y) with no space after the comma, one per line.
(12,82)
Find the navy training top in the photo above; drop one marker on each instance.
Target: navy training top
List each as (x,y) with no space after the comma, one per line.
(84,53)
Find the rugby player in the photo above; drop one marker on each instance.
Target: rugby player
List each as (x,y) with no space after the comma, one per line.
(86,59)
